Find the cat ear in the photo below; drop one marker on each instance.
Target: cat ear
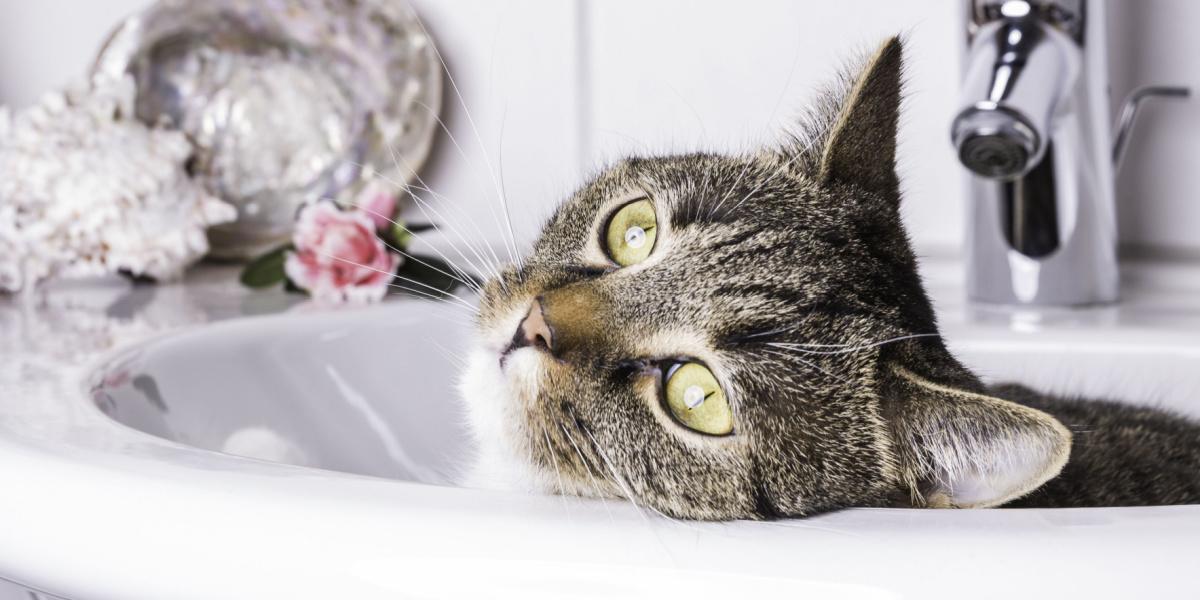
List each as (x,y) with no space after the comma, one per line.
(963,449)
(860,147)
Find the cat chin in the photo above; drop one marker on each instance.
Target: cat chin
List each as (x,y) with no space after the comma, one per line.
(484,392)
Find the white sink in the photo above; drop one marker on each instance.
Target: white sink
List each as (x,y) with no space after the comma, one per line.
(128,486)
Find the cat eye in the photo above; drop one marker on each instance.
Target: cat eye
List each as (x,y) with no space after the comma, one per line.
(696,400)
(629,237)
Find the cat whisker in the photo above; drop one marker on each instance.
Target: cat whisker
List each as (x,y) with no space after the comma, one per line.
(616,478)
(845,348)
(442,295)
(421,203)
(500,188)
(471,121)
(426,295)
(774,111)
(733,186)
(503,190)
(490,267)
(624,485)
(463,278)
(787,165)
(483,265)
(463,217)
(511,251)
(437,293)
(586,465)
(436,227)
(794,328)
(455,359)
(462,320)
(628,493)
(421,184)
(562,490)
(792,524)
(808,364)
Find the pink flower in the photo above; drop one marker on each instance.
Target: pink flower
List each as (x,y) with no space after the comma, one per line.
(378,203)
(338,258)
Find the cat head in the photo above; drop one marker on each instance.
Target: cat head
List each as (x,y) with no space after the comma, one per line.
(721,337)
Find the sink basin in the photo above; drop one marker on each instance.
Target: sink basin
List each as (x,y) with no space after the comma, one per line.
(312,456)
(343,391)
(346,392)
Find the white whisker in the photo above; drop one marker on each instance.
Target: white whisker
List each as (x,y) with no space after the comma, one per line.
(483,264)
(787,165)
(465,217)
(436,227)
(847,348)
(774,111)
(423,294)
(456,360)
(595,484)
(503,192)
(483,267)
(792,524)
(562,490)
(462,278)
(809,364)
(471,121)
(629,490)
(443,294)
(511,251)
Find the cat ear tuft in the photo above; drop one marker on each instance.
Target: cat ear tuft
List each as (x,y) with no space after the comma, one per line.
(860,147)
(962,449)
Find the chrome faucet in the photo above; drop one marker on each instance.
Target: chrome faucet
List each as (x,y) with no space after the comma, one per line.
(1034,134)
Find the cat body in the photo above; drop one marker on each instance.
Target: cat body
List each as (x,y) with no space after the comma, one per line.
(747,337)
(1121,455)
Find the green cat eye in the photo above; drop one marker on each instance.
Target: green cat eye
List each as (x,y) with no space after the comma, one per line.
(631,233)
(696,399)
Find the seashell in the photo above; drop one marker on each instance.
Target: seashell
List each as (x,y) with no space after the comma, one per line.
(284,102)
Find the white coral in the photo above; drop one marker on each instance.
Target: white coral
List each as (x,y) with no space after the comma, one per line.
(88,190)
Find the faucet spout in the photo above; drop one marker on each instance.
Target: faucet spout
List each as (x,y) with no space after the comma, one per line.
(1033,136)
(1018,69)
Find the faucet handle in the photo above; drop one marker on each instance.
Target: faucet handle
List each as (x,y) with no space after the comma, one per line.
(1129,114)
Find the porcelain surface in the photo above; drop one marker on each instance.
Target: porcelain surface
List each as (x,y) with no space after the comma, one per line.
(159,445)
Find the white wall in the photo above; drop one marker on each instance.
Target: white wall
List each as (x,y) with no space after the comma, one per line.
(45,43)
(556,88)
(1158,188)
(674,74)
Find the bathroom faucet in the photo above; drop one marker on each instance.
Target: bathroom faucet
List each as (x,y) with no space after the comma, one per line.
(1034,134)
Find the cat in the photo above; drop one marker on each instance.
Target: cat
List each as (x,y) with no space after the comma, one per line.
(746,337)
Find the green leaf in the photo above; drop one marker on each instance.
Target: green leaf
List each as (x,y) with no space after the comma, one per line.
(266,270)
(433,272)
(419,227)
(401,236)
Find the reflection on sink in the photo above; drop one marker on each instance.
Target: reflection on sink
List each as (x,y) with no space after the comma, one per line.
(367,392)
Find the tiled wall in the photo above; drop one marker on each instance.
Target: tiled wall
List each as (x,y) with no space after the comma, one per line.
(556,88)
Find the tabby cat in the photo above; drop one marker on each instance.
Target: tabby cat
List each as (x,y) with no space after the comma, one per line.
(746,337)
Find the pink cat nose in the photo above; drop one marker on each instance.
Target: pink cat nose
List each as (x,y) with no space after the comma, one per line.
(534,330)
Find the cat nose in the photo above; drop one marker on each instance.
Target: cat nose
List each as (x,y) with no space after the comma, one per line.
(534,330)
